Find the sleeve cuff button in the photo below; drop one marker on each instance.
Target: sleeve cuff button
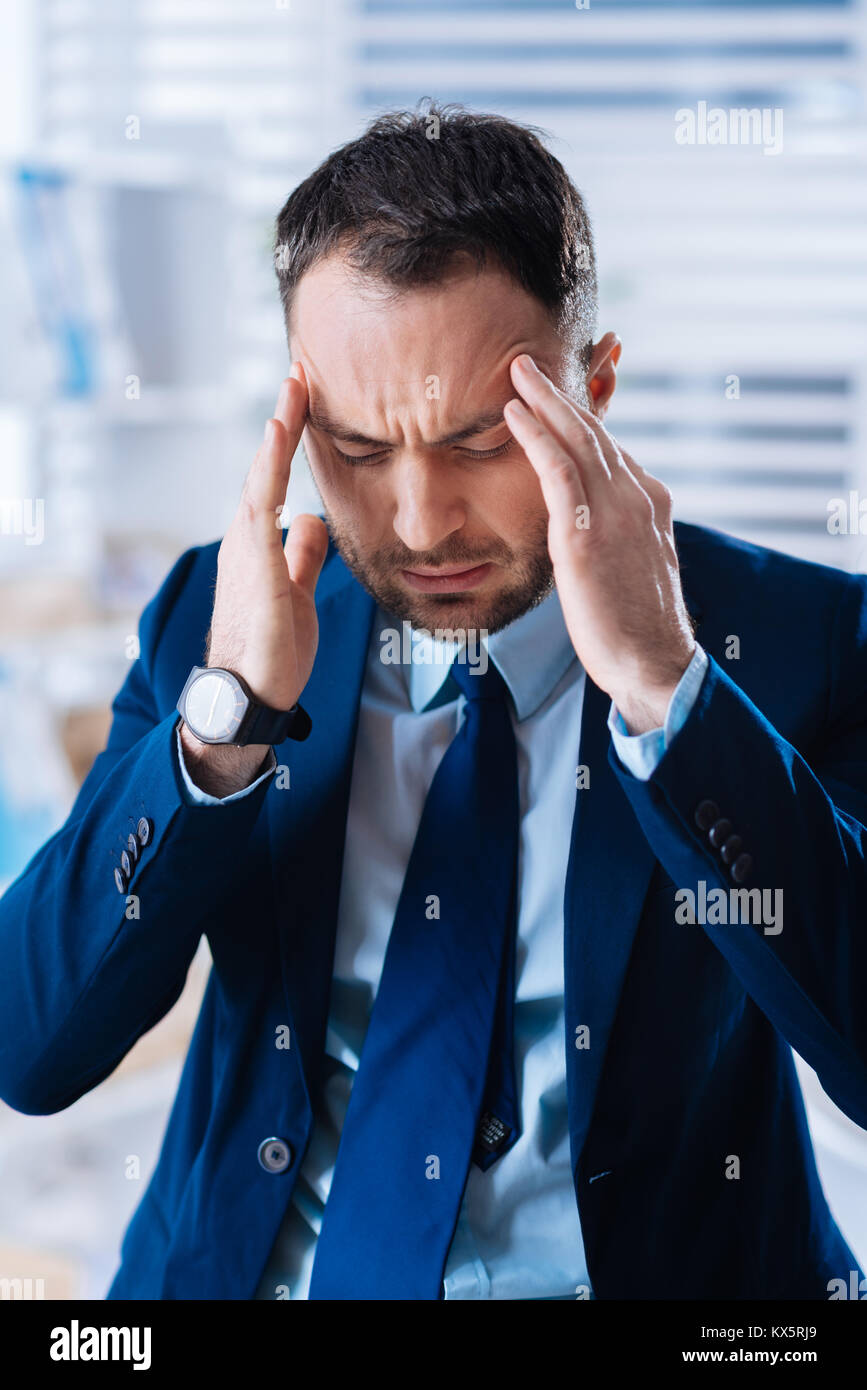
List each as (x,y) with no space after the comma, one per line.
(706,814)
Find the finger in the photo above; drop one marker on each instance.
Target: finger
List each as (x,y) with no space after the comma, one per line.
(641,474)
(265,487)
(281,413)
(605,441)
(294,408)
(554,408)
(305,550)
(658,493)
(556,469)
(282,410)
(637,487)
(660,500)
(294,405)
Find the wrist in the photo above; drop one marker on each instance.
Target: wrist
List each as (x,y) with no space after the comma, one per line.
(641,716)
(643,704)
(221,769)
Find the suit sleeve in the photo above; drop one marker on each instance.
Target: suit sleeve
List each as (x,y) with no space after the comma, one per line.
(85,970)
(804,826)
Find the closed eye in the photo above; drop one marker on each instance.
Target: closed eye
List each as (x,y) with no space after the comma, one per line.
(489,453)
(360,460)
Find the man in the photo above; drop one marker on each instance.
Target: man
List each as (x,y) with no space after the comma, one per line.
(572,854)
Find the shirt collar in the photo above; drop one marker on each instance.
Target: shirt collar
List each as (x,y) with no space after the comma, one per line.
(531,654)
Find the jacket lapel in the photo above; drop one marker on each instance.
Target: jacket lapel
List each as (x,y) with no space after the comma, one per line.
(307,818)
(610,865)
(609,872)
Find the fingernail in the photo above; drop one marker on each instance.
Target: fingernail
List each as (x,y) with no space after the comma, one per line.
(525,361)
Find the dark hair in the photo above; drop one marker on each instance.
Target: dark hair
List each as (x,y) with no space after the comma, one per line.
(419,188)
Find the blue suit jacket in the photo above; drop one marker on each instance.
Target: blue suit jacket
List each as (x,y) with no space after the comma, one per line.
(690,1026)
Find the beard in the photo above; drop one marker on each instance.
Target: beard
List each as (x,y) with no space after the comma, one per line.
(530,580)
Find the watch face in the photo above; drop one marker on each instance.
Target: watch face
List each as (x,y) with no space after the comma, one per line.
(214,706)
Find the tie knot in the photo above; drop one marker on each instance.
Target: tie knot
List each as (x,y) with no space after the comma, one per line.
(476,683)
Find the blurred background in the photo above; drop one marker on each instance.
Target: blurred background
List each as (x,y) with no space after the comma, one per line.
(145,149)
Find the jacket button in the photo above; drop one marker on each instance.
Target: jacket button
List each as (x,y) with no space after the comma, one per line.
(120,881)
(275,1155)
(143,830)
(133,847)
(731,849)
(705,814)
(126,864)
(741,867)
(719,832)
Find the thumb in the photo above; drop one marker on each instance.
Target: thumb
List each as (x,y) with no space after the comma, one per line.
(305,550)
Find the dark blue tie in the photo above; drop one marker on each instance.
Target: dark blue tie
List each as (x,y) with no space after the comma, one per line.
(435,1087)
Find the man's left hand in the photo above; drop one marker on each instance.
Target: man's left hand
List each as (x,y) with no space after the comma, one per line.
(612,547)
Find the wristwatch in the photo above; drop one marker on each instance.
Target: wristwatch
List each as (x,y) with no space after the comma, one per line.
(218,707)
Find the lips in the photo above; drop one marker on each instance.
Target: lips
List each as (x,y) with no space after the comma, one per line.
(448,580)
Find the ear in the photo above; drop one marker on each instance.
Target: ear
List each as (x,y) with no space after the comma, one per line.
(601,376)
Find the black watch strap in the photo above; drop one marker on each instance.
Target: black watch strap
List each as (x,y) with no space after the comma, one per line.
(273,725)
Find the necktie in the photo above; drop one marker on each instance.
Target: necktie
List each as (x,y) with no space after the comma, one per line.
(435,1086)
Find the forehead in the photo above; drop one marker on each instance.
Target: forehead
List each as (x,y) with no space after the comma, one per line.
(440,344)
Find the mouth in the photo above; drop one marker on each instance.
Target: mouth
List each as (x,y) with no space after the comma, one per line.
(448,579)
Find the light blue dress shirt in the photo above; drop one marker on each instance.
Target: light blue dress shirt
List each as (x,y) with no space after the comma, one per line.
(518,1233)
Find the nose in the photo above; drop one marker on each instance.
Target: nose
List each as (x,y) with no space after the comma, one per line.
(427,509)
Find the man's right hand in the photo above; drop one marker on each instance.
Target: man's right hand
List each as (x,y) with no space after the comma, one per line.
(264,623)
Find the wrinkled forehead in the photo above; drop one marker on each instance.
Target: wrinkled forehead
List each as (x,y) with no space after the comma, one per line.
(433,349)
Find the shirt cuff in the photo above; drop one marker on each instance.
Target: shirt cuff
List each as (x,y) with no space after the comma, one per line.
(641,754)
(195,795)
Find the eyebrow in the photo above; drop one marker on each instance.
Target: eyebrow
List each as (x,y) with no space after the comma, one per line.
(320,420)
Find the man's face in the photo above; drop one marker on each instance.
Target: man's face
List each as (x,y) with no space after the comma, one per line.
(429,500)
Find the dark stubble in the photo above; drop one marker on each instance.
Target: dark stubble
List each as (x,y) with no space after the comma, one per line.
(530,578)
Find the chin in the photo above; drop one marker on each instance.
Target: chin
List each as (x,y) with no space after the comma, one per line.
(448,611)
(486,613)
(530,581)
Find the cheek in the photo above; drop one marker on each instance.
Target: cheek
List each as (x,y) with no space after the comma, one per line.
(334,481)
(510,499)
(355,497)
